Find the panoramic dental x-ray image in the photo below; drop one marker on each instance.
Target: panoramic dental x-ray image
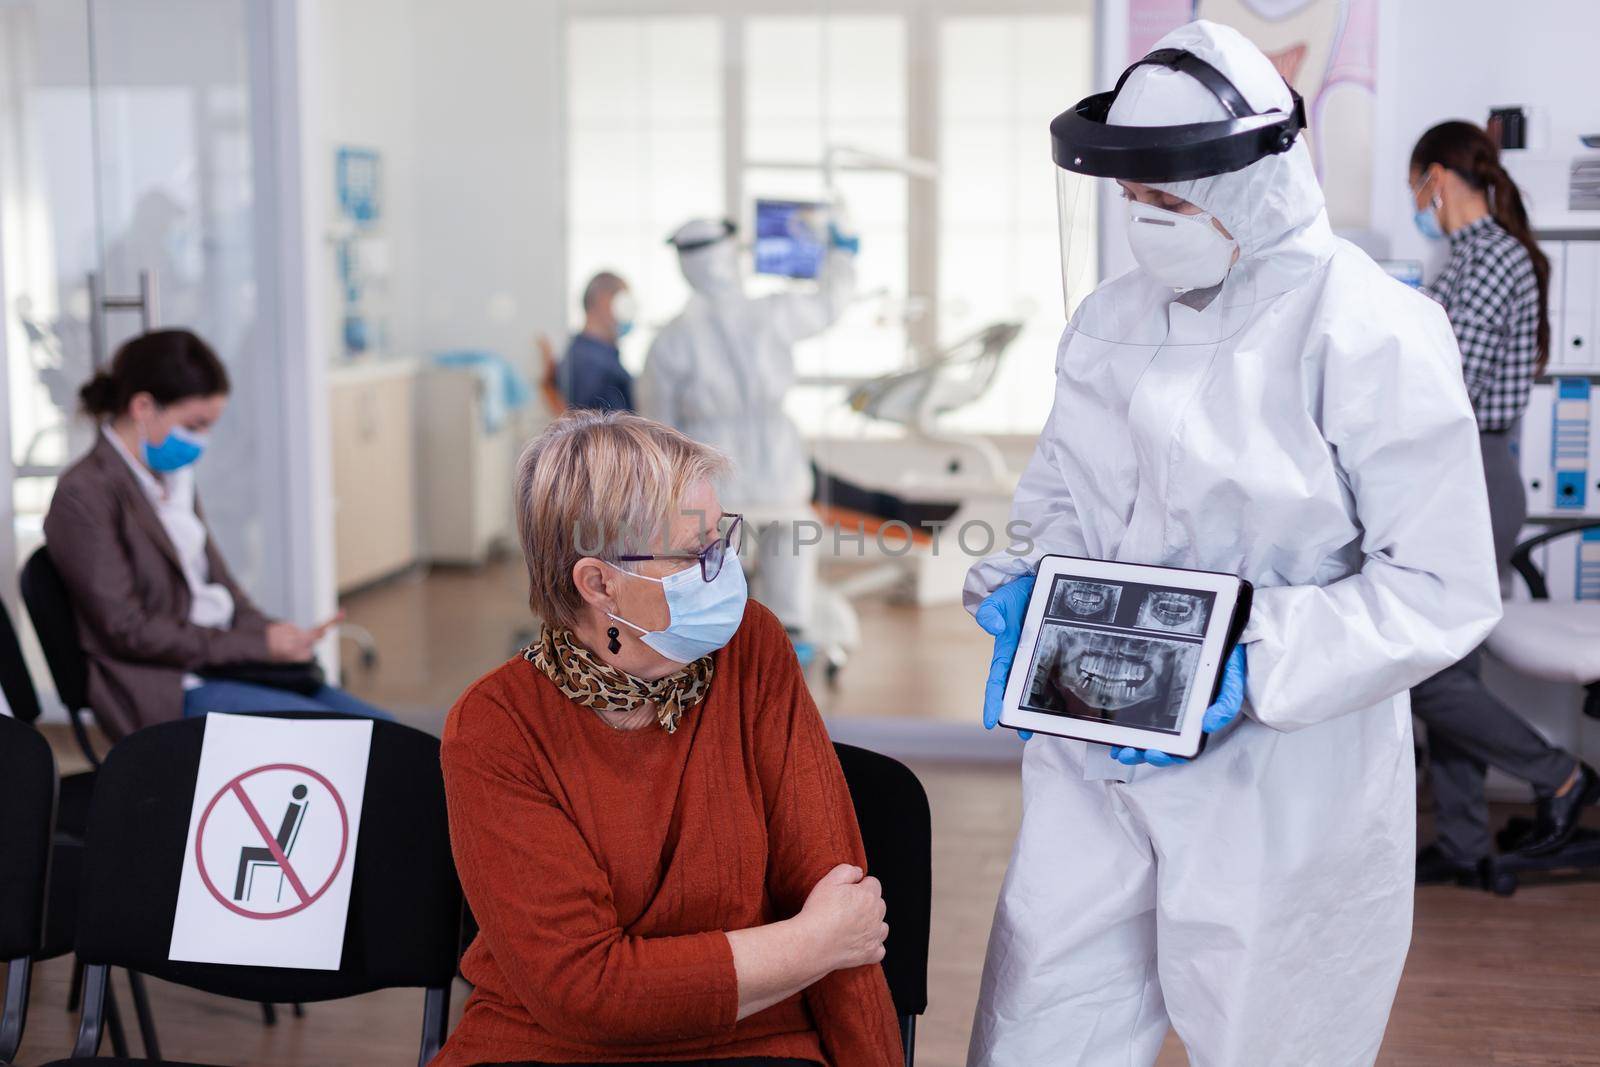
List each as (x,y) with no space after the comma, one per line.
(1117,652)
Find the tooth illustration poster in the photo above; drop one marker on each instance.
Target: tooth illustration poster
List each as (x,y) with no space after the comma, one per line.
(1327,50)
(1118,652)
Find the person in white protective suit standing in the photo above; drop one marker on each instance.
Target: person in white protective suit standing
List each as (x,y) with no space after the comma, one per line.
(1256,398)
(719,372)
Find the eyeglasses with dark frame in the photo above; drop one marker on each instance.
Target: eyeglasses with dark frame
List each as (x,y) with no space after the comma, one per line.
(711,557)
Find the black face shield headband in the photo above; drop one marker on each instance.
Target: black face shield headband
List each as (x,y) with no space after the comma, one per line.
(728,230)
(1082,142)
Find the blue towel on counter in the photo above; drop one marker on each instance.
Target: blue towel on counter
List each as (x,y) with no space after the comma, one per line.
(505,387)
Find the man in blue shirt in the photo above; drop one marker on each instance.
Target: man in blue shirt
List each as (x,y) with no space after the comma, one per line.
(591,374)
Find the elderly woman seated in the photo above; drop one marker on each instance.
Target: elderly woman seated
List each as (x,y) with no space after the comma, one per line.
(647,814)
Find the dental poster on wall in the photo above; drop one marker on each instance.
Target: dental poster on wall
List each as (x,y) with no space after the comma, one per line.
(1327,50)
(269,860)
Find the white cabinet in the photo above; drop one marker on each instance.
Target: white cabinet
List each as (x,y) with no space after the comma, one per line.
(1560,442)
(374,472)
(1573,330)
(465,469)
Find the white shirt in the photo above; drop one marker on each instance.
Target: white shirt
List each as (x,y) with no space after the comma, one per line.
(172,496)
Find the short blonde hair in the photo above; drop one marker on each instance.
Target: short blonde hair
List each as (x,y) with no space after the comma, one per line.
(600,484)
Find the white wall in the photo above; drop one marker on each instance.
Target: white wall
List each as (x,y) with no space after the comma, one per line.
(1444,59)
(366,90)
(490,169)
(464,101)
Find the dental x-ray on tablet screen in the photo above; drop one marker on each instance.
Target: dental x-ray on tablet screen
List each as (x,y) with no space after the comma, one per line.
(1123,654)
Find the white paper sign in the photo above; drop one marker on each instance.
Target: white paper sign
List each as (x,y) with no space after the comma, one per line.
(272,842)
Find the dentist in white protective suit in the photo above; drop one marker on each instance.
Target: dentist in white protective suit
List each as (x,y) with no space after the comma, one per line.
(719,372)
(1258,398)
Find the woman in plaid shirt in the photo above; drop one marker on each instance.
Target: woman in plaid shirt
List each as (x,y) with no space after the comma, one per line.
(1496,291)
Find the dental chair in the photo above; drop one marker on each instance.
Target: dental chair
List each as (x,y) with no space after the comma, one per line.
(961,478)
(1551,652)
(954,378)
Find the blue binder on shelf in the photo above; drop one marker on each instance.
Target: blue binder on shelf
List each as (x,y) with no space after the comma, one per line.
(1569,444)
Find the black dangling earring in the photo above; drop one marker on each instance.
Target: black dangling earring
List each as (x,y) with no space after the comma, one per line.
(614,644)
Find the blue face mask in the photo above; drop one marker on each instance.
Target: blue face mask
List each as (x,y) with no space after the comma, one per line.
(704,615)
(624,328)
(1427,218)
(1427,221)
(179,449)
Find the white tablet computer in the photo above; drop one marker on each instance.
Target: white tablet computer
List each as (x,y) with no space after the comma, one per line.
(1123,654)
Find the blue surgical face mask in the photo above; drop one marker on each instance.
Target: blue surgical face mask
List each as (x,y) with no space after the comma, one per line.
(703,615)
(177,450)
(1427,221)
(622,312)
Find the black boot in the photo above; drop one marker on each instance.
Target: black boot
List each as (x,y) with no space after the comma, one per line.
(1435,868)
(1556,818)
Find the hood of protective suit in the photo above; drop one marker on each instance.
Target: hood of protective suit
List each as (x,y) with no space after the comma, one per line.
(1275,205)
(713,270)
(711,263)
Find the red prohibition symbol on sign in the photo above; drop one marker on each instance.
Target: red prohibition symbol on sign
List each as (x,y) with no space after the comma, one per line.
(308,895)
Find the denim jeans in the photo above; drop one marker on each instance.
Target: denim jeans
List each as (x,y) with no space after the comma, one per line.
(237,697)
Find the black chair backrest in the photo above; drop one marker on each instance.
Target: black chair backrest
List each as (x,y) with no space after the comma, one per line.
(405,902)
(27,820)
(50,609)
(896,828)
(1522,555)
(15,681)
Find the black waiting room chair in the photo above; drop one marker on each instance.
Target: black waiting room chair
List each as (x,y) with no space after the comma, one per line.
(405,902)
(59,639)
(28,804)
(50,611)
(56,624)
(896,830)
(70,805)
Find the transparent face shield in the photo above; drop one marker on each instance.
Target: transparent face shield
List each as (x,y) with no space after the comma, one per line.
(1189,287)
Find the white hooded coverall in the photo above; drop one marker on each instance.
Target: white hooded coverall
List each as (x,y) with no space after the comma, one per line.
(719,372)
(1259,898)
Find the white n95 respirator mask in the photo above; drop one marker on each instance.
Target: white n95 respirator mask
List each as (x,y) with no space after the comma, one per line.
(1183,251)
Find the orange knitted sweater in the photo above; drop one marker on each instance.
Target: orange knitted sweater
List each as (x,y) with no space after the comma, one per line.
(604,866)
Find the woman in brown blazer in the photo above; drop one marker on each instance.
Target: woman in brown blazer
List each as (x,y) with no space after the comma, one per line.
(157,608)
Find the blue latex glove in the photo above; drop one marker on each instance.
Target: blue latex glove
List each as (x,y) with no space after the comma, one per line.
(1001,615)
(845,243)
(1230,698)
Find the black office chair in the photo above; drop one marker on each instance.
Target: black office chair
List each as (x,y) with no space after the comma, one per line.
(71,807)
(50,610)
(72,810)
(405,901)
(28,801)
(896,829)
(56,624)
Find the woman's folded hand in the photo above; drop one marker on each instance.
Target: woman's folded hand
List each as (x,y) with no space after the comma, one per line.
(844,913)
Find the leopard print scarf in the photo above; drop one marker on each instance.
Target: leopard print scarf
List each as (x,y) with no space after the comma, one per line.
(586,679)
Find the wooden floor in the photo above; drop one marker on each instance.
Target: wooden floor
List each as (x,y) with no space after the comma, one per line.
(1488,981)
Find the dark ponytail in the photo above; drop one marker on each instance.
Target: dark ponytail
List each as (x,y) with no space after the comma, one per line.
(170,365)
(1469,152)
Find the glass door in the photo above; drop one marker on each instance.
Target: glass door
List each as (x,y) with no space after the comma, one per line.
(128,200)
(175,180)
(50,247)
(137,191)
